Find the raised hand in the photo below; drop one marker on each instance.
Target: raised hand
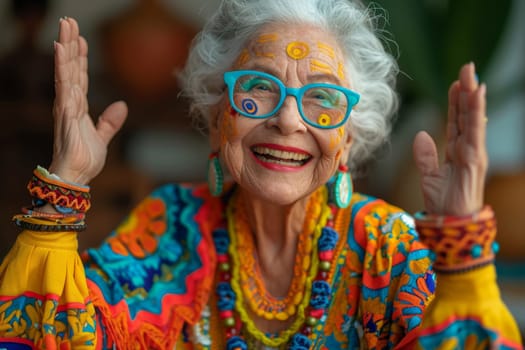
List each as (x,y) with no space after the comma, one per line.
(80,145)
(456,187)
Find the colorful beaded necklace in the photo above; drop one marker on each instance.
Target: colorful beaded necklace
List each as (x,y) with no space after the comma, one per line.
(311,308)
(247,281)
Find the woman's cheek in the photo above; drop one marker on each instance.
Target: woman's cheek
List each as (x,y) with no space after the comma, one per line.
(228,126)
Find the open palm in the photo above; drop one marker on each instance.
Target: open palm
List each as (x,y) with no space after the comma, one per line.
(80,145)
(456,187)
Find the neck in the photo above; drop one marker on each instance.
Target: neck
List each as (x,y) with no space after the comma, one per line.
(275,229)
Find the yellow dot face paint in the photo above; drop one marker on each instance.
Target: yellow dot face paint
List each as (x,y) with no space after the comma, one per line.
(297,50)
(324,119)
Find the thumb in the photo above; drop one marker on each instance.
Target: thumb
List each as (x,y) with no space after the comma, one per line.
(425,153)
(111,120)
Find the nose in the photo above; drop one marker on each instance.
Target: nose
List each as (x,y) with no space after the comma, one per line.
(288,119)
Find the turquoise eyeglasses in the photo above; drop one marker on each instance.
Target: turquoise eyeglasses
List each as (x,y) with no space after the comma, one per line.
(259,95)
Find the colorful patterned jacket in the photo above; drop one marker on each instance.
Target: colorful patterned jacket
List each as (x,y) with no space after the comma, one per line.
(148,285)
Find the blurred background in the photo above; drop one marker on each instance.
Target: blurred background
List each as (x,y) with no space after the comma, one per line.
(136,45)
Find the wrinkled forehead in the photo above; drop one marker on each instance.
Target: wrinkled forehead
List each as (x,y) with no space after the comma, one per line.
(299,42)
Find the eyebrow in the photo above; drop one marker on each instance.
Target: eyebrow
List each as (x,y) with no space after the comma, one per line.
(311,78)
(324,77)
(265,69)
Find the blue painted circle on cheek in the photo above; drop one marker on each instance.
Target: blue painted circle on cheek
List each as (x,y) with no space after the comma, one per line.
(249,106)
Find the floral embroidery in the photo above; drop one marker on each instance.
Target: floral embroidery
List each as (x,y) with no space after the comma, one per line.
(40,321)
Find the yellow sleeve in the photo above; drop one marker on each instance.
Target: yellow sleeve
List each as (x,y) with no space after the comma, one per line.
(468,313)
(44,299)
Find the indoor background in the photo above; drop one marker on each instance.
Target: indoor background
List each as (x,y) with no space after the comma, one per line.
(137,45)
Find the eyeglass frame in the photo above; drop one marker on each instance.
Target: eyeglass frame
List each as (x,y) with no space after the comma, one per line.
(230,78)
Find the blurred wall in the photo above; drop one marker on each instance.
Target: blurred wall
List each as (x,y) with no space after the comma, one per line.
(148,149)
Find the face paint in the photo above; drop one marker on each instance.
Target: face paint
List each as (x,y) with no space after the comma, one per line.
(324,119)
(318,66)
(326,49)
(297,50)
(249,106)
(228,128)
(266,38)
(341,71)
(261,41)
(338,155)
(336,140)
(244,57)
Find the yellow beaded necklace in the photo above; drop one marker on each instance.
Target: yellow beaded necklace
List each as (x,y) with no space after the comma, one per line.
(249,287)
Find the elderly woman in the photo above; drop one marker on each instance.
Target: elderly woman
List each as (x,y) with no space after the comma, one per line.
(280,253)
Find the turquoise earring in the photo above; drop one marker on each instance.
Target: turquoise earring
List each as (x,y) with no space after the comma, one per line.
(342,187)
(215,176)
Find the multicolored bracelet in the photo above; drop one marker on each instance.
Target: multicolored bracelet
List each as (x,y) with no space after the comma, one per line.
(52,216)
(59,193)
(460,243)
(28,222)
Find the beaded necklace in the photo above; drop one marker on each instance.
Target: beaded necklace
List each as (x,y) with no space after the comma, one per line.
(317,289)
(248,282)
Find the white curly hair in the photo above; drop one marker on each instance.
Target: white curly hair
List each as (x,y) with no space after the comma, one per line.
(357,28)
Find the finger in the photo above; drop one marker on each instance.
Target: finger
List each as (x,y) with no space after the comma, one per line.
(467,77)
(111,120)
(75,55)
(83,52)
(63,31)
(62,55)
(453,98)
(73,38)
(73,25)
(475,132)
(453,120)
(425,154)
(468,84)
(61,75)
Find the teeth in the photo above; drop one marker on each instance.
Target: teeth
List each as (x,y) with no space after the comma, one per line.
(281,157)
(280,154)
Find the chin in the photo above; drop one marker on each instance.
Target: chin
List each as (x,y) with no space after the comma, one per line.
(279,194)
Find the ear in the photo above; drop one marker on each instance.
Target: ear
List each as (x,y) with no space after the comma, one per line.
(346,145)
(213,126)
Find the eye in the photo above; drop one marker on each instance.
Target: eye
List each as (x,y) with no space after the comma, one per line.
(326,97)
(256,83)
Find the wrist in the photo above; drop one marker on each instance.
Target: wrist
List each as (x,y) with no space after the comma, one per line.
(68,176)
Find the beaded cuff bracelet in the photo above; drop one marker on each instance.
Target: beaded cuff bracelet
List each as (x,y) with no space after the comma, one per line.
(64,196)
(28,222)
(459,243)
(52,216)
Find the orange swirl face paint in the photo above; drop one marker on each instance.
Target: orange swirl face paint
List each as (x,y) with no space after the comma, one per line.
(297,50)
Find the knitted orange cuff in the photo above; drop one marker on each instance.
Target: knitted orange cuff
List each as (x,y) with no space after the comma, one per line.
(460,243)
(49,188)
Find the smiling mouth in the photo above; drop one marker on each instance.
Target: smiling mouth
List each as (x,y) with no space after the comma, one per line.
(281,157)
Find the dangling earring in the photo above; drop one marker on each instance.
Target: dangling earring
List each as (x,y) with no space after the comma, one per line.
(215,177)
(342,187)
